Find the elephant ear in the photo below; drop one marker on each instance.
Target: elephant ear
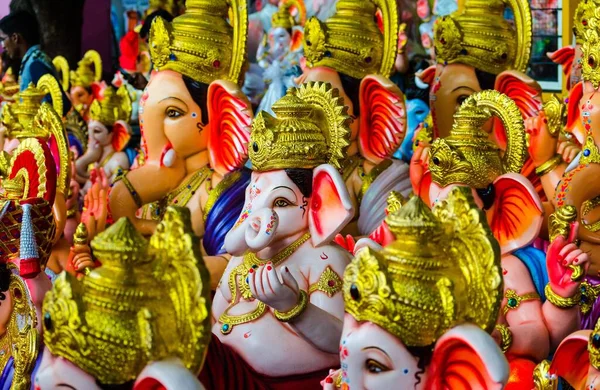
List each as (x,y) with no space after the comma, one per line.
(331,207)
(564,57)
(230,117)
(98,89)
(571,360)
(168,374)
(574,113)
(427,75)
(297,38)
(121,134)
(516,215)
(382,118)
(466,358)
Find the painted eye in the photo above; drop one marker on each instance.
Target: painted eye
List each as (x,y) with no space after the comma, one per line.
(172,113)
(281,202)
(461,99)
(374,367)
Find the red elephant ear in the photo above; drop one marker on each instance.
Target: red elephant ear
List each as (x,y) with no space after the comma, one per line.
(571,360)
(467,358)
(32,163)
(427,75)
(121,134)
(564,56)
(297,37)
(517,213)
(230,117)
(330,206)
(382,118)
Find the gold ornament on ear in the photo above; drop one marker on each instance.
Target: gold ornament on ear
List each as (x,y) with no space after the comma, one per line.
(310,128)
(590,58)
(351,42)
(62,68)
(587,15)
(148,301)
(206,43)
(89,70)
(443,270)
(114,106)
(478,35)
(467,156)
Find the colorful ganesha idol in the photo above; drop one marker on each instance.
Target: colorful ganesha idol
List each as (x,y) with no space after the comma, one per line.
(141,320)
(296,202)
(194,121)
(419,311)
(353,54)
(540,305)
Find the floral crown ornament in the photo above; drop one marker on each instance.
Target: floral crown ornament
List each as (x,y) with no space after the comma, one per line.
(283,17)
(443,270)
(206,43)
(148,301)
(310,128)
(89,69)
(114,106)
(587,15)
(478,35)
(351,41)
(467,156)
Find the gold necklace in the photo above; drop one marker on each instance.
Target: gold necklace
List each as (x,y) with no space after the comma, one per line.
(106,159)
(251,261)
(182,194)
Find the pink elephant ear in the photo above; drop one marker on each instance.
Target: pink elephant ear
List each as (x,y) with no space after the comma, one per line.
(517,213)
(571,360)
(121,134)
(564,56)
(330,206)
(167,374)
(467,358)
(427,75)
(230,117)
(382,118)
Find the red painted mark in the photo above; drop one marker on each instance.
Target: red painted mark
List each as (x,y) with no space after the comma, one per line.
(247,334)
(504,272)
(324,256)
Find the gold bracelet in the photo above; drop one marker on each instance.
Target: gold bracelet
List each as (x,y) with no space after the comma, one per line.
(562,302)
(296,311)
(122,176)
(549,165)
(506,335)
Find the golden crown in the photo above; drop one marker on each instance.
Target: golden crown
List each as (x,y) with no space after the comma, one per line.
(89,70)
(148,301)
(443,270)
(283,17)
(18,116)
(311,127)
(351,41)
(114,106)
(62,68)
(594,347)
(206,43)
(467,156)
(587,14)
(480,36)
(76,125)
(590,58)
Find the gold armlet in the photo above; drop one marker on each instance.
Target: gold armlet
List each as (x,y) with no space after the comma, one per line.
(513,300)
(296,311)
(122,176)
(506,335)
(562,302)
(71,212)
(329,282)
(549,165)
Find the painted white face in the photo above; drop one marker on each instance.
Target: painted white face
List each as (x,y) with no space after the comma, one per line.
(58,373)
(280,41)
(373,359)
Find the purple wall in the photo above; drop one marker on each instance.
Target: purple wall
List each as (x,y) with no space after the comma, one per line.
(4,8)
(96,33)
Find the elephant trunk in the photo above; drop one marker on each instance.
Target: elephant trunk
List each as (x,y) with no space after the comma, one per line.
(148,183)
(255,233)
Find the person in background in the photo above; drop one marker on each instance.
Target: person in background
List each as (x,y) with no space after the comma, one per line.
(20,38)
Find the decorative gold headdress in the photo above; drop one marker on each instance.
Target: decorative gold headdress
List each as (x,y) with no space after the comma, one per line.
(62,68)
(9,88)
(351,42)
(147,302)
(283,17)
(481,37)
(311,127)
(89,70)
(206,43)
(467,156)
(587,15)
(76,125)
(594,347)
(443,270)
(18,116)
(114,106)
